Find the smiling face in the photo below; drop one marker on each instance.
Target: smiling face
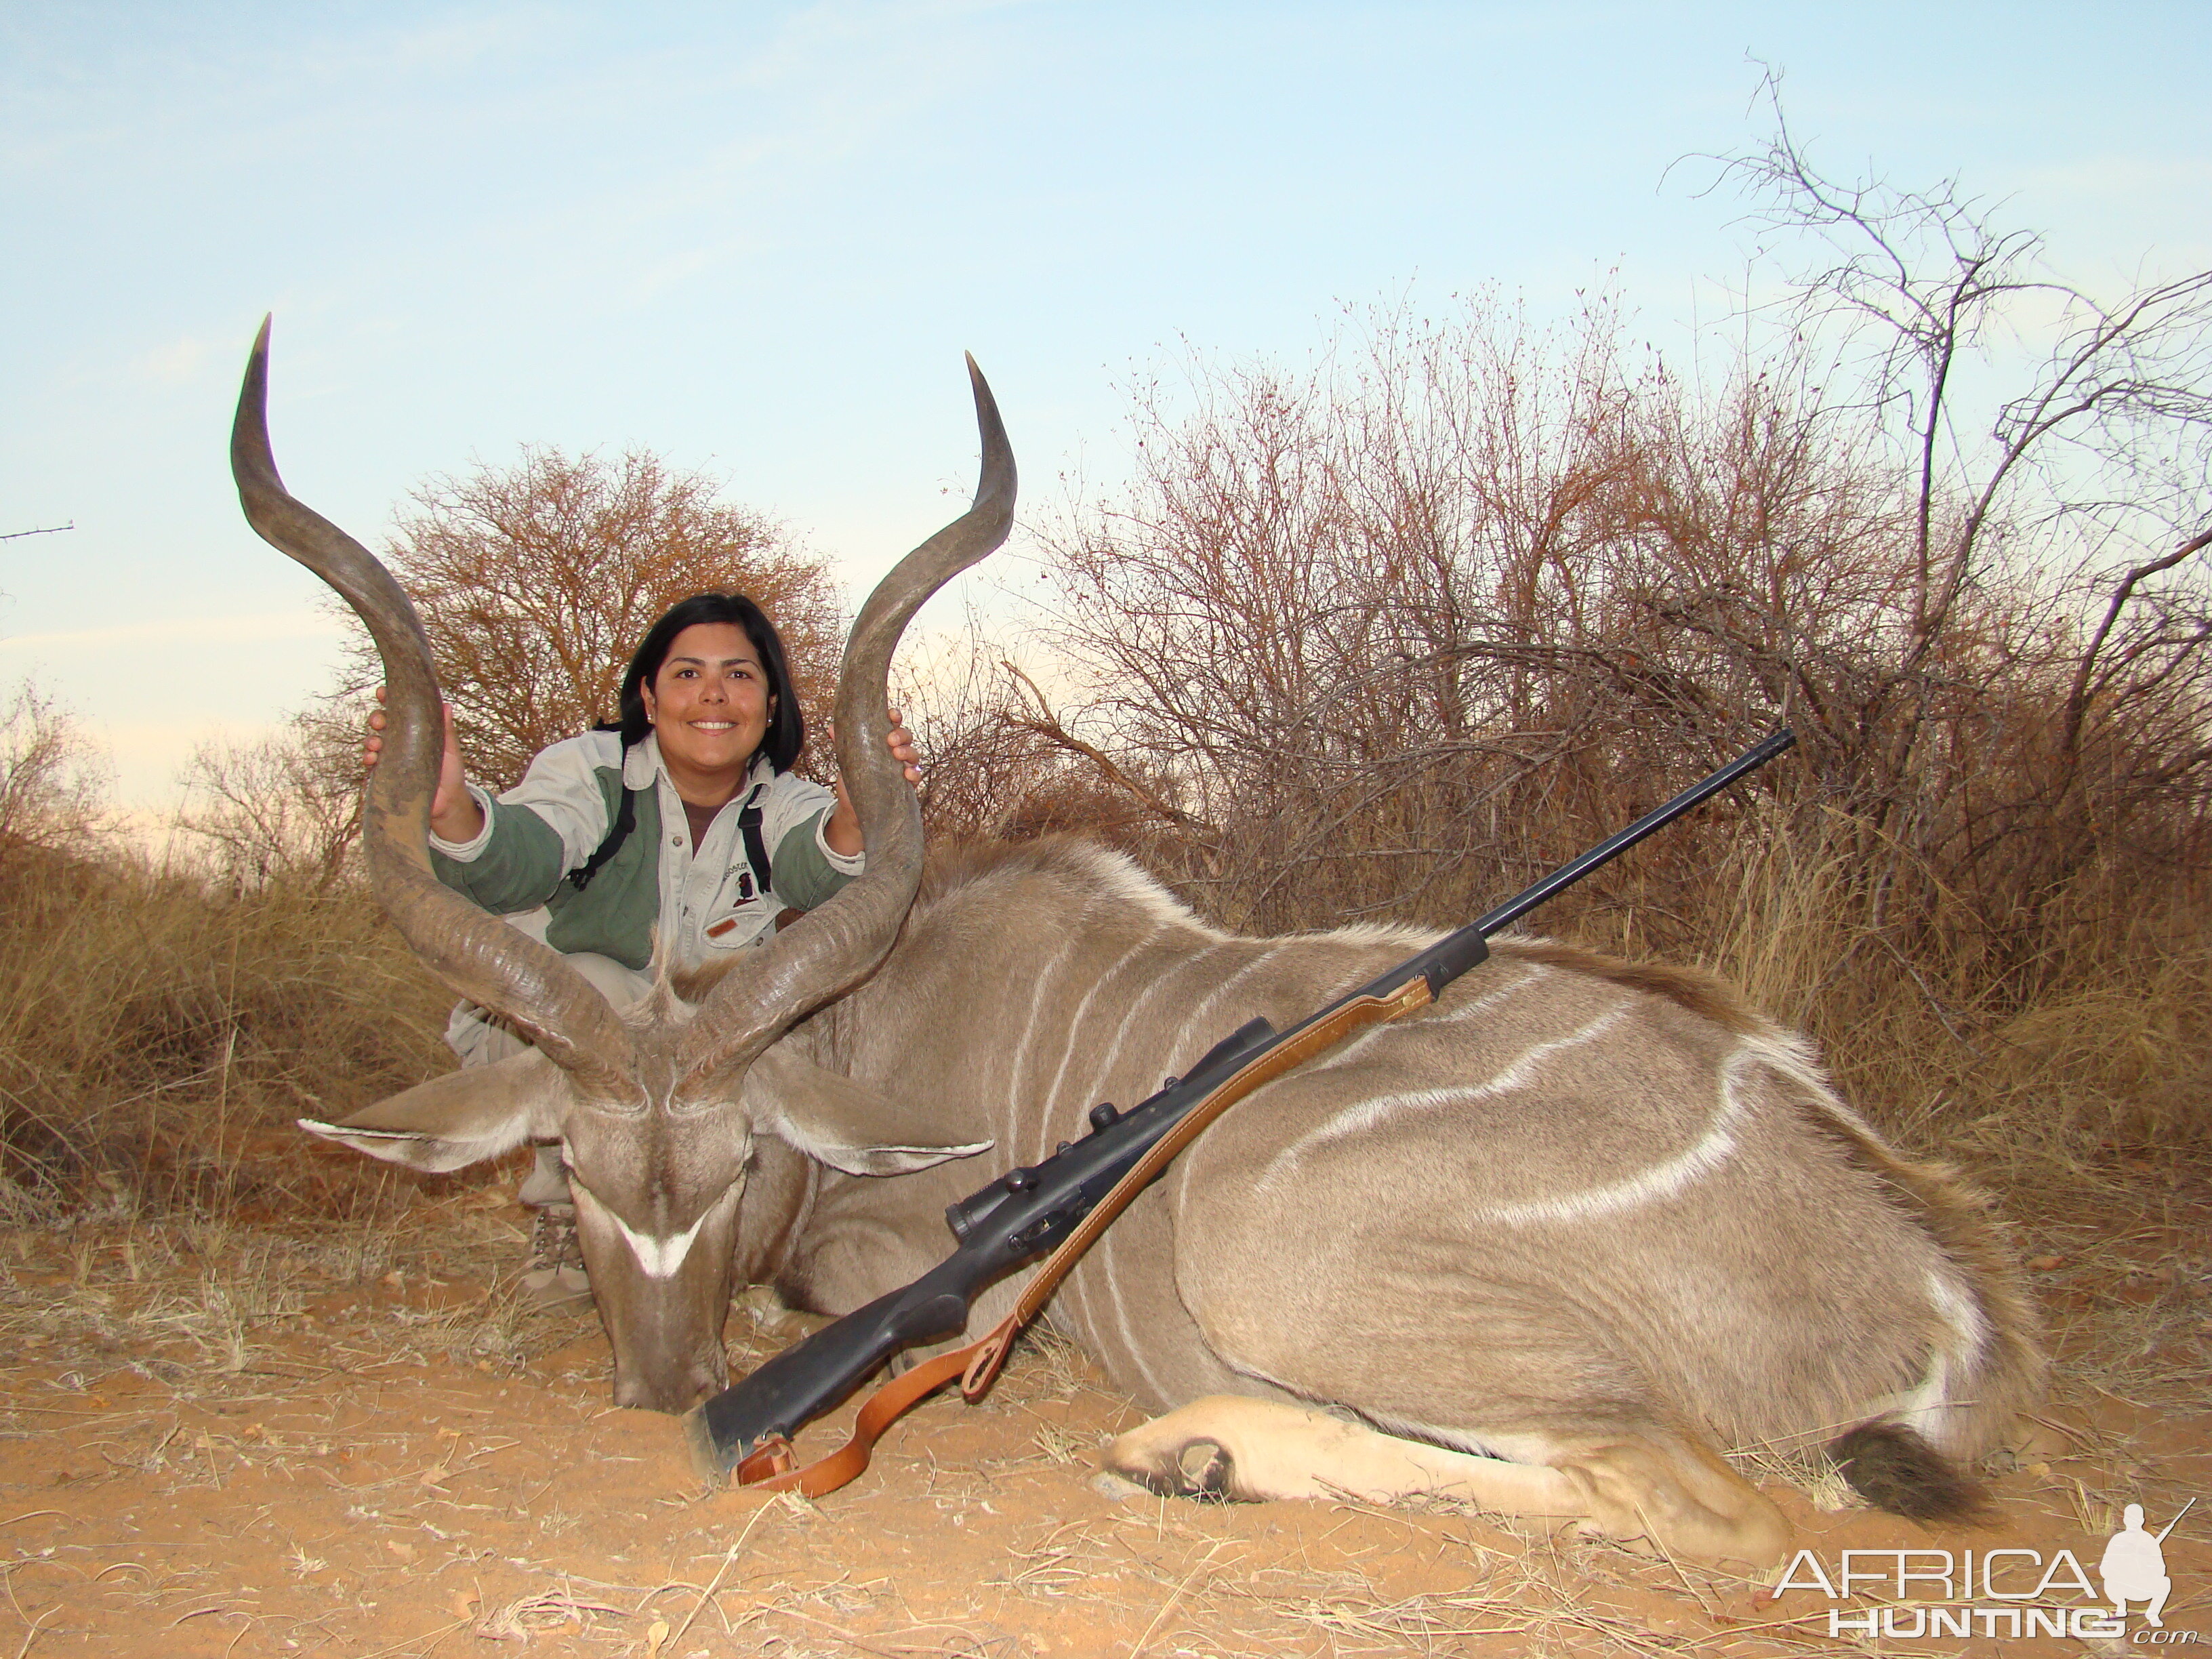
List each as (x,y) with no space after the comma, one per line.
(710,706)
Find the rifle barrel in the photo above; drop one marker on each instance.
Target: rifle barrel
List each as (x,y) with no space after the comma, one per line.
(1656,819)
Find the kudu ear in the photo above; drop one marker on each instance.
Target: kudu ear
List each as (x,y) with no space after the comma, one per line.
(839,1122)
(459,1118)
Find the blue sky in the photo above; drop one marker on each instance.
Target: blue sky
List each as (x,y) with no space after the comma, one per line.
(757,237)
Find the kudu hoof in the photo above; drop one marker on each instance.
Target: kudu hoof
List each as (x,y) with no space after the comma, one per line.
(1200,1469)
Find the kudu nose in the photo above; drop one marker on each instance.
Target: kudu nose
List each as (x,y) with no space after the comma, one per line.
(676,1393)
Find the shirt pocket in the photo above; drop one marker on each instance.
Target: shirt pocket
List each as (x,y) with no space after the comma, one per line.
(740,915)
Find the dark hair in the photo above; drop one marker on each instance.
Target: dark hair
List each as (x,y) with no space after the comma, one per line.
(786,727)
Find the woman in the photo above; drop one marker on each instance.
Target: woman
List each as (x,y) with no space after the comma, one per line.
(684,821)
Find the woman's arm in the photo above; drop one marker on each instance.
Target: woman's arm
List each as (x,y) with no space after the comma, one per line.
(515,860)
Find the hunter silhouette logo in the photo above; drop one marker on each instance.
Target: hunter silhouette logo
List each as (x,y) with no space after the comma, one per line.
(2133,1565)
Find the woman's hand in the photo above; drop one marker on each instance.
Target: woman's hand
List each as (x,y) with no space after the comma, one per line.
(454,814)
(842,831)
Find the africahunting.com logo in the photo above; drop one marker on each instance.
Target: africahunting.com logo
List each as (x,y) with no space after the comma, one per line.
(2012,1594)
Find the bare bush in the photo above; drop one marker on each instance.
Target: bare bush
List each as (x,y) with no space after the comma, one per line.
(53,783)
(285,809)
(1002,767)
(535,582)
(1405,629)
(2044,531)
(1369,620)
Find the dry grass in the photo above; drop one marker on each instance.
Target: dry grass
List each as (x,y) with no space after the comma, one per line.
(151,1026)
(2109,1056)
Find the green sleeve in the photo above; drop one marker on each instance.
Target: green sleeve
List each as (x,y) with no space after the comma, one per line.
(519,867)
(804,877)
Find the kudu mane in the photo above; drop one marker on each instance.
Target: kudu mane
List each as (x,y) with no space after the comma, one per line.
(1086,866)
(1098,869)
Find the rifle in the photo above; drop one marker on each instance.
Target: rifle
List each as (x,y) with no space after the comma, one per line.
(1063,1203)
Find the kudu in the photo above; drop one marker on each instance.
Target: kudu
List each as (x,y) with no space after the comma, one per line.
(1543,1246)
(652,1104)
(1556,1237)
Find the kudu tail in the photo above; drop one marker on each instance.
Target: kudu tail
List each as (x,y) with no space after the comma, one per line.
(1985,1363)
(1894,1468)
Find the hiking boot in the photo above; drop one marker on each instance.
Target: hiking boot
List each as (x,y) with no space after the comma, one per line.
(548,1182)
(556,1274)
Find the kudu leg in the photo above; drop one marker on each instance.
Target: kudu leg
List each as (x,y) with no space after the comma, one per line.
(1655,1485)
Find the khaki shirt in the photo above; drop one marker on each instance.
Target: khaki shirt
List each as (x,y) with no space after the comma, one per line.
(703,904)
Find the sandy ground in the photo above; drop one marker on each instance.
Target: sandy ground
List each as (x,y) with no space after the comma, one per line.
(266,1436)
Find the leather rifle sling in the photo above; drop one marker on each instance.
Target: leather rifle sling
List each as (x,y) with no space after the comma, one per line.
(771,1466)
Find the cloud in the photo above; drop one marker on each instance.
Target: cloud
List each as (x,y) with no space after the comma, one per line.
(175,363)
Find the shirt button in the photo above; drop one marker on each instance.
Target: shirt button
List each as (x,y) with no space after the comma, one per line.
(676,841)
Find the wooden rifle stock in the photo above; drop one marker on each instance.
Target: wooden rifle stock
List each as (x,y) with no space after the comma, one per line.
(1063,1204)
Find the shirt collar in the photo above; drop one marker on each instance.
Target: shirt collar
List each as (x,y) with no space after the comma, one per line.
(642,767)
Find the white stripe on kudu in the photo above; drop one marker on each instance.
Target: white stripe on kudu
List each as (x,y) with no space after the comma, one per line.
(1116,1045)
(1038,988)
(1411,1030)
(1370,1113)
(1220,994)
(1661,1181)
(1130,1345)
(1045,1103)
